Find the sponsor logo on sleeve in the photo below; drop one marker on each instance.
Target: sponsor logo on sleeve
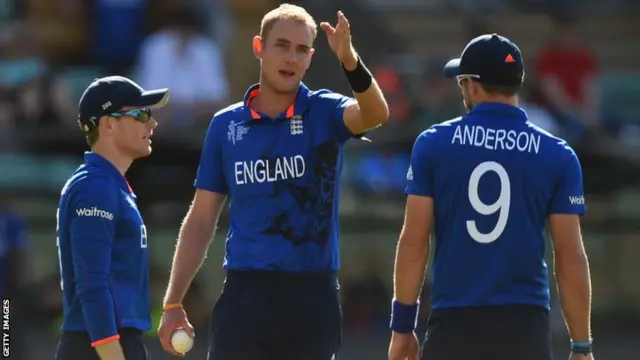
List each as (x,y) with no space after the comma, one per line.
(576,200)
(94,212)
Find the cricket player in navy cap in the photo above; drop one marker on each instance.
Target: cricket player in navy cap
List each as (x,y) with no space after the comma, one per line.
(489,184)
(102,240)
(278,156)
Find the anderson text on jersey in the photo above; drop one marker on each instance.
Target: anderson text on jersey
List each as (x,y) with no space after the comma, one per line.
(496,139)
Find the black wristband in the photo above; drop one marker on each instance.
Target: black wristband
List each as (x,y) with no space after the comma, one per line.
(582,347)
(360,79)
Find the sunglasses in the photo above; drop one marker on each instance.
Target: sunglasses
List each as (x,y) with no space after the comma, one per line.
(462,78)
(141,115)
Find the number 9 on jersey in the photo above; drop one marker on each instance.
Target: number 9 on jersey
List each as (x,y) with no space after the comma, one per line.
(501,205)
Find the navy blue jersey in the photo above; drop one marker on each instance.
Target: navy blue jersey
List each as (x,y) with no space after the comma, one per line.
(282,176)
(495,178)
(12,239)
(102,253)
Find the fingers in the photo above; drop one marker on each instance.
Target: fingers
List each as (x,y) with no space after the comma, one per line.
(189,329)
(343,23)
(166,329)
(330,30)
(342,19)
(342,26)
(165,339)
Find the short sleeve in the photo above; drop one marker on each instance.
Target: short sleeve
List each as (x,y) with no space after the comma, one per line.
(420,173)
(568,197)
(210,175)
(337,103)
(93,212)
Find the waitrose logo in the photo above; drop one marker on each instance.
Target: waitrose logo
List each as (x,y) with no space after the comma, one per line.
(94,211)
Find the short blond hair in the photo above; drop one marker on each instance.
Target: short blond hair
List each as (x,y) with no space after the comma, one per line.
(287,12)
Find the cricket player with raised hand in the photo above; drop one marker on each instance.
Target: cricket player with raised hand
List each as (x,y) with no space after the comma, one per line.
(101,237)
(278,156)
(489,184)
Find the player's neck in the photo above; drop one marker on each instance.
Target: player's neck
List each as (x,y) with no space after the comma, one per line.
(498,99)
(272,103)
(112,155)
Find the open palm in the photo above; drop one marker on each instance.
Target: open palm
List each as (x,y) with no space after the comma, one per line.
(339,37)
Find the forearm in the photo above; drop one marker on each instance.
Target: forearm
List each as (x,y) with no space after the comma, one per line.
(410,269)
(373,106)
(99,314)
(574,287)
(110,351)
(193,242)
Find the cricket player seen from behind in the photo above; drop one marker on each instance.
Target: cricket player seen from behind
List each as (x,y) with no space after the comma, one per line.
(489,184)
(278,156)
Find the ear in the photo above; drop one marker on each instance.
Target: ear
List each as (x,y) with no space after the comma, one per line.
(311,52)
(106,124)
(257,47)
(475,88)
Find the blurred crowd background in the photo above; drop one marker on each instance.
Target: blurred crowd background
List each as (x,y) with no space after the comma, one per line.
(582,83)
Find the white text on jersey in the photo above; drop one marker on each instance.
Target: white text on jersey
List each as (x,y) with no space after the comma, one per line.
(94,211)
(576,200)
(500,139)
(269,170)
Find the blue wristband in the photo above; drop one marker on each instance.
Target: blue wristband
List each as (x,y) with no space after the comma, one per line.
(582,347)
(404,318)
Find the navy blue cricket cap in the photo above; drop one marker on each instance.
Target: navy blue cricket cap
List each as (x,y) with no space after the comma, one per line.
(490,59)
(110,94)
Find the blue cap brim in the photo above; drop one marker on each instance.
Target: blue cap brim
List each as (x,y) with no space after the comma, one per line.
(154,99)
(452,69)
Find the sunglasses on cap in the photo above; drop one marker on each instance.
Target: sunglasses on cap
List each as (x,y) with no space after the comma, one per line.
(141,115)
(463,77)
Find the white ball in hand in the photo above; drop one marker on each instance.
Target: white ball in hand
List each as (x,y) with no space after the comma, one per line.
(181,341)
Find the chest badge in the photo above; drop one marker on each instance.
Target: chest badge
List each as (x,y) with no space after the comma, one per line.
(295,124)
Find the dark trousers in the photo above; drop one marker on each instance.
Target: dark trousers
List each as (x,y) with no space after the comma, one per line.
(76,345)
(488,333)
(268,315)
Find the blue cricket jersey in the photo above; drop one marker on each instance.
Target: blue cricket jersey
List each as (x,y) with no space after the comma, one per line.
(282,176)
(102,253)
(495,178)
(12,239)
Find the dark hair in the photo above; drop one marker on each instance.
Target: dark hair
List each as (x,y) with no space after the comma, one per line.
(505,90)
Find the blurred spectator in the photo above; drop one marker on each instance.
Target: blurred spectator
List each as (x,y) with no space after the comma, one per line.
(537,114)
(540,117)
(30,92)
(568,84)
(222,21)
(191,65)
(118,30)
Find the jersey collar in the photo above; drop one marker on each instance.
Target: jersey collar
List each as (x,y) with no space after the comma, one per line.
(297,108)
(91,158)
(500,109)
